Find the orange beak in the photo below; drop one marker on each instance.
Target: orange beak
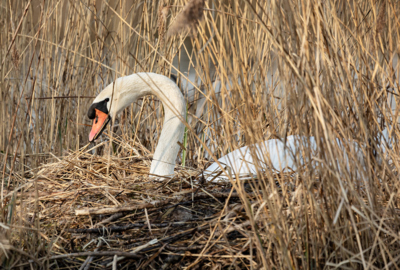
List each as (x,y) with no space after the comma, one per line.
(99,123)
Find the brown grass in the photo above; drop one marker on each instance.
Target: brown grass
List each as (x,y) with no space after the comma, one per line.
(267,69)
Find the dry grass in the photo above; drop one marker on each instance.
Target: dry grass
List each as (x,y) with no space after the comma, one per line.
(259,70)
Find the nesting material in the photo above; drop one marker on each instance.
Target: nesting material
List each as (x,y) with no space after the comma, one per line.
(99,211)
(107,209)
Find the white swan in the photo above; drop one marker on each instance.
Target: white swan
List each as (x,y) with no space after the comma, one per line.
(126,90)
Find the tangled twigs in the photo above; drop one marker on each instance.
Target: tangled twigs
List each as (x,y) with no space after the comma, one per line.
(177,219)
(125,228)
(154,204)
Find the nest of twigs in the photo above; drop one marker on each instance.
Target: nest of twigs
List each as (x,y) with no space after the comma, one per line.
(87,211)
(98,211)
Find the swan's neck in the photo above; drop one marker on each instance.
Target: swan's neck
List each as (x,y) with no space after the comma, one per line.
(141,84)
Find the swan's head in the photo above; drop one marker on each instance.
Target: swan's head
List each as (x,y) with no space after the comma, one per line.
(111,101)
(126,90)
(99,112)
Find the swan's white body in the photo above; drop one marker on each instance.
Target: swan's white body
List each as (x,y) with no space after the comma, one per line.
(278,155)
(240,163)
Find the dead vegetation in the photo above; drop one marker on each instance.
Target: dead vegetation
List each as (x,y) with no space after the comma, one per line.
(258,70)
(126,214)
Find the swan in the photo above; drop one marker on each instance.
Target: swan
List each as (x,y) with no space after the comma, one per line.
(126,90)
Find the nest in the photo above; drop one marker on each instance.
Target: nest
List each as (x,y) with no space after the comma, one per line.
(103,211)
(98,211)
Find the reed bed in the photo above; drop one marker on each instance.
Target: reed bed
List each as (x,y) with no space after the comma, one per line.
(250,71)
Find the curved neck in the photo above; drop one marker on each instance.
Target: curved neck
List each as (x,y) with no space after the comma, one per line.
(141,84)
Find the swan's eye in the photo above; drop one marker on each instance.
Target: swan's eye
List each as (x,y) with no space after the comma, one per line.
(101,106)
